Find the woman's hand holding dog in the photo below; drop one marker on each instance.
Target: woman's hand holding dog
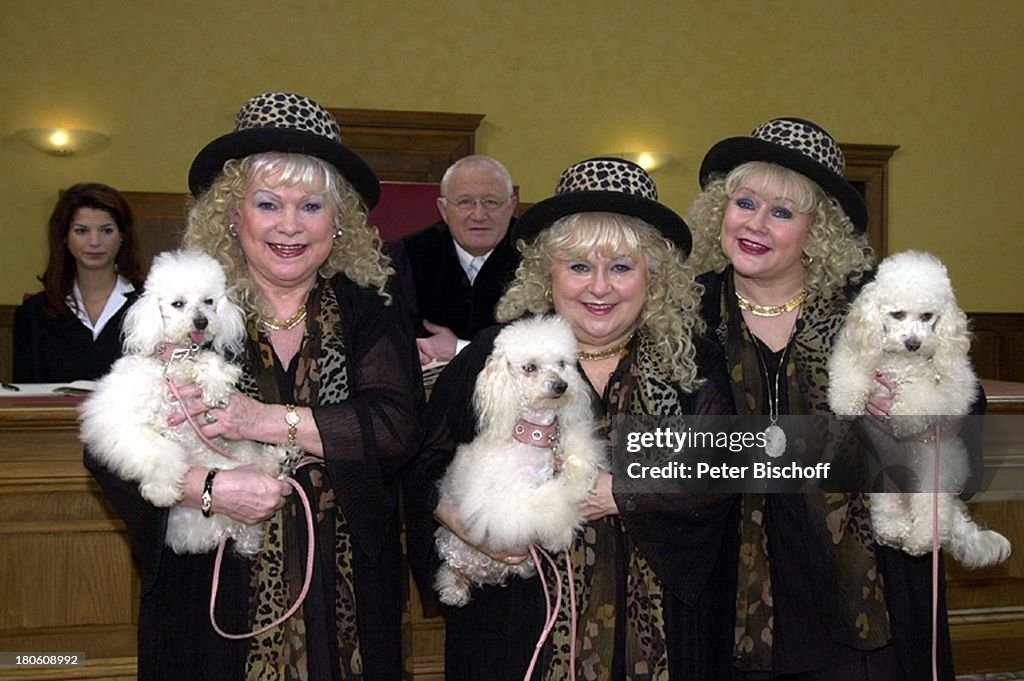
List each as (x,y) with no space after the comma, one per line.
(601,502)
(246,493)
(890,453)
(447,516)
(243,418)
(233,419)
(879,404)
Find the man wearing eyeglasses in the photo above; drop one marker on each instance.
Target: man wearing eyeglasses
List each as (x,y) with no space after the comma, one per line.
(453,272)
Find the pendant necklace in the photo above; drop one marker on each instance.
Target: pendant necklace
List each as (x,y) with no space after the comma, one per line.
(775,437)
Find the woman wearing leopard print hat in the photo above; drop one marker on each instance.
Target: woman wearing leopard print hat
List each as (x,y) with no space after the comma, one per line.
(328,367)
(609,258)
(783,235)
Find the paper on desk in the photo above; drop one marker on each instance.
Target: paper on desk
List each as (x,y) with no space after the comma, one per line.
(49,389)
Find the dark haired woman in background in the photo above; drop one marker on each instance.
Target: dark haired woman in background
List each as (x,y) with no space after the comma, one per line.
(71,329)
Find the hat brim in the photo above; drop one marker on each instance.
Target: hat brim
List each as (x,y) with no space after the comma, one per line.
(735,151)
(541,215)
(210,160)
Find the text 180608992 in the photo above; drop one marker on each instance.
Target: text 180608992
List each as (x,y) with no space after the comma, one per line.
(8,659)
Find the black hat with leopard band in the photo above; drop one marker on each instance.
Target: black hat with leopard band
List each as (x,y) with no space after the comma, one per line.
(607,185)
(796,144)
(286,123)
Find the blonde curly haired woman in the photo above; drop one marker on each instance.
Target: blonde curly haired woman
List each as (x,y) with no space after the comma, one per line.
(329,366)
(606,256)
(781,235)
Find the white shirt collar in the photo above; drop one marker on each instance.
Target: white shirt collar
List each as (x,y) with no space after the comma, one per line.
(114,302)
(466,259)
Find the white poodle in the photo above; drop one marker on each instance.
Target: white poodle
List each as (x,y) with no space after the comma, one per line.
(906,325)
(178,330)
(535,458)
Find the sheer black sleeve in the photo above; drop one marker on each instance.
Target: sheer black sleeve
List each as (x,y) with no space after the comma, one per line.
(369,436)
(683,534)
(379,421)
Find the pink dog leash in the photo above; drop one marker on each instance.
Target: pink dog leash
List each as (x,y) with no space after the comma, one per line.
(548,436)
(552,613)
(310,543)
(935,556)
(195,426)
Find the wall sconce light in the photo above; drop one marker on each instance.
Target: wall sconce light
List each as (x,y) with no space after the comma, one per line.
(648,160)
(62,141)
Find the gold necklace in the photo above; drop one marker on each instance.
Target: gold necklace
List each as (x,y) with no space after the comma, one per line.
(287,324)
(772,310)
(604,354)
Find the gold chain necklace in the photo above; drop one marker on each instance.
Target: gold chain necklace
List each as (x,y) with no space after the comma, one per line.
(287,324)
(604,354)
(771,310)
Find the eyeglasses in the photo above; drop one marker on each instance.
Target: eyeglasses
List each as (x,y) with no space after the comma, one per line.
(467,204)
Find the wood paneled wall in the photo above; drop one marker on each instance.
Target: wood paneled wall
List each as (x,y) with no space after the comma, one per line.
(67,583)
(67,580)
(998,346)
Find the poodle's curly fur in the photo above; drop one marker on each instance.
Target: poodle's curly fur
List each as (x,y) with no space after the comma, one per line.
(906,325)
(508,494)
(186,303)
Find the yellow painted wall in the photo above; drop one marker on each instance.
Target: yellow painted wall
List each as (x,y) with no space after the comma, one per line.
(558,81)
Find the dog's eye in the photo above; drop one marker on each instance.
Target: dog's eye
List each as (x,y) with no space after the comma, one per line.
(927,317)
(561,364)
(208,301)
(898,315)
(529,368)
(178,304)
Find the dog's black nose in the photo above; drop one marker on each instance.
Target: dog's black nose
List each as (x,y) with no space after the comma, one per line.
(559,387)
(200,322)
(912,344)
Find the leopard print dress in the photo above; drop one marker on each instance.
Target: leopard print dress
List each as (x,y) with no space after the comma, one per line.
(606,562)
(848,586)
(277,574)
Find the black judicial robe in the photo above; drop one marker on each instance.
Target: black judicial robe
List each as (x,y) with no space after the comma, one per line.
(436,288)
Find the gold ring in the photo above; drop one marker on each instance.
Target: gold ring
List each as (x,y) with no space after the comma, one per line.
(209,417)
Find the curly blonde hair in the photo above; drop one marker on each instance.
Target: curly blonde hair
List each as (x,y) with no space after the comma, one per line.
(835,252)
(355,251)
(669,317)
